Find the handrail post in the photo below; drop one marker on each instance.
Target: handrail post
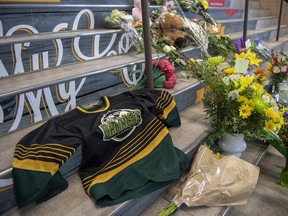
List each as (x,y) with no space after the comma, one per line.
(245,20)
(147,43)
(279,20)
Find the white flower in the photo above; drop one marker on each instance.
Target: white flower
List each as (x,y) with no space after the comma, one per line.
(275,108)
(233,94)
(173,48)
(283,68)
(276,69)
(167,49)
(226,80)
(266,98)
(235,77)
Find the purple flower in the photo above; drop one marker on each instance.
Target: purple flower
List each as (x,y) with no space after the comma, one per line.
(250,71)
(285,115)
(242,42)
(237,46)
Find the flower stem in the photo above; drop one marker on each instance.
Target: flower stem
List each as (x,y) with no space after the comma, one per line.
(284,176)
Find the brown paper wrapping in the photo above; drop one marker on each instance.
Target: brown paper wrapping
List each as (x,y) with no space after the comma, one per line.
(217,182)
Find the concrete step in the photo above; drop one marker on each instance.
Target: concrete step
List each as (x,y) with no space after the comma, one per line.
(263,34)
(253,154)
(186,93)
(55,35)
(13,85)
(236,25)
(241,4)
(254,13)
(280,45)
(221,13)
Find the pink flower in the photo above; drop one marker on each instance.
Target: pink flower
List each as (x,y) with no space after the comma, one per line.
(168,69)
(276,69)
(162,63)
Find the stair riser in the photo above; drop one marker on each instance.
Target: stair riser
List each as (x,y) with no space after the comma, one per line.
(220,14)
(241,4)
(283,31)
(237,26)
(253,13)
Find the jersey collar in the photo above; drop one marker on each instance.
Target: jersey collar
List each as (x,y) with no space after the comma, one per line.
(99,108)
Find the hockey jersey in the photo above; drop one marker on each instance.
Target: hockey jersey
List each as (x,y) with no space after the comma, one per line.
(127,151)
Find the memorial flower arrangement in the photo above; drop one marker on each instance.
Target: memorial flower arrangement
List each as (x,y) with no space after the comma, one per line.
(198,7)
(236,102)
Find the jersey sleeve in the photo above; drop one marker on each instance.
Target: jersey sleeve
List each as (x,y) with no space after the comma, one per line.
(163,104)
(36,162)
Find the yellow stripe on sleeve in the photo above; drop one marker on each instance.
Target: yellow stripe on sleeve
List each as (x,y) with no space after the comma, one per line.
(34,165)
(167,110)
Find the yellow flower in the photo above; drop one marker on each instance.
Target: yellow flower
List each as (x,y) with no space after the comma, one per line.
(229,71)
(243,55)
(204,3)
(245,81)
(191,61)
(270,113)
(215,60)
(258,88)
(245,111)
(218,37)
(269,64)
(270,125)
(254,60)
(249,103)
(241,99)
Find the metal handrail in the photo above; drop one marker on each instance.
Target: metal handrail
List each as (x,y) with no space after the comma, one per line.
(279,19)
(245,20)
(147,43)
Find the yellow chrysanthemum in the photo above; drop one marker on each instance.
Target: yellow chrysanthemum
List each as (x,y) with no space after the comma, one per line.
(241,99)
(249,103)
(270,125)
(271,114)
(245,81)
(229,71)
(204,3)
(254,60)
(245,111)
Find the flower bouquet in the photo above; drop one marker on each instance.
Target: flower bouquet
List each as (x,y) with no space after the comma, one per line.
(235,101)
(278,68)
(215,181)
(120,19)
(198,7)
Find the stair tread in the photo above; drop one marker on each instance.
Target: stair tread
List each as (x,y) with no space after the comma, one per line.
(237,35)
(186,137)
(12,85)
(24,82)
(54,35)
(253,154)
(238,20)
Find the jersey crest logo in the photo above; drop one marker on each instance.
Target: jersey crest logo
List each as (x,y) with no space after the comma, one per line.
(118,124)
